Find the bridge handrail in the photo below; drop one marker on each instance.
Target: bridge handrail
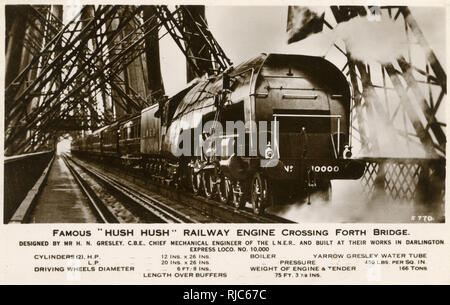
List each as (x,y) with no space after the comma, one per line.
(9,159)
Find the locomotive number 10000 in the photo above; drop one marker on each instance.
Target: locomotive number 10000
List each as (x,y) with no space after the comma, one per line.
(325,169)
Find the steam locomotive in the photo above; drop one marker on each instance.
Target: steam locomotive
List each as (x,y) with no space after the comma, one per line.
(287,121)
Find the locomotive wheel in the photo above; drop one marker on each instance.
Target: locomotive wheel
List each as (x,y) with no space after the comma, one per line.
(208,184)
(225,190)
(155,173)
(195,181)
(158,168)
(259,193)
(238,195)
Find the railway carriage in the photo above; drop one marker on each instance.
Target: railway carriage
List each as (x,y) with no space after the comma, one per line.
(95,143)
(75,145)
(130,141)
(110,142)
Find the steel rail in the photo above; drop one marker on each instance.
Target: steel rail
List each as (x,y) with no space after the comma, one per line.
(100,210)
(224,213)
(144,202)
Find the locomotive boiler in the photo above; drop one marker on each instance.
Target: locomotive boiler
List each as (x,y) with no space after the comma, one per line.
(272,128)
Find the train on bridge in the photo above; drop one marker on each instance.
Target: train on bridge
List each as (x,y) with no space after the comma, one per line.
(290,133)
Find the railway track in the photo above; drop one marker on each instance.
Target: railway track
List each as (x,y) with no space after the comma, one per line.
(148,208)
(220,212)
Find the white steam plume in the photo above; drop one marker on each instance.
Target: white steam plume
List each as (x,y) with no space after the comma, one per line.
(369,40)
(349,204)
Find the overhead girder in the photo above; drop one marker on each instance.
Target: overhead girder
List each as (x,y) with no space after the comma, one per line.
(415,104)
(191,15)
(16,28)
(69,52)
(65,56)
(44,106)
(401,89)
(80,69)
(190,32)
(86,68)
(65,66)
(155,81)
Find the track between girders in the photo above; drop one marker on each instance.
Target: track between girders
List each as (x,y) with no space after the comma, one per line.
(147,208)
(213,210)
(99,208)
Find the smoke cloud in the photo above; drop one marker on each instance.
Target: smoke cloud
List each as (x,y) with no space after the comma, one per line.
(391,144)
(369,40)
(349,204)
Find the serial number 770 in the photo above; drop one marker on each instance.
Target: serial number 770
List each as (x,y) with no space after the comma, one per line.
(422,218)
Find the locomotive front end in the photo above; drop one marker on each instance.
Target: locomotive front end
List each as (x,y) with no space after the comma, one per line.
(272,127)
(307,99)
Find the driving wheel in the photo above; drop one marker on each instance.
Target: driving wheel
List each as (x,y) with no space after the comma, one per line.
(238,195)
(259,193)
(195,181)
(225,190)
(208,182)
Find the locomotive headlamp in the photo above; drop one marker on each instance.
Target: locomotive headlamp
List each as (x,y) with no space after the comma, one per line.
(347,152)
(268,153)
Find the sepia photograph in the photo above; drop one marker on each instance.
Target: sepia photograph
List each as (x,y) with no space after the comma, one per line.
(178,113)
(209,145)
